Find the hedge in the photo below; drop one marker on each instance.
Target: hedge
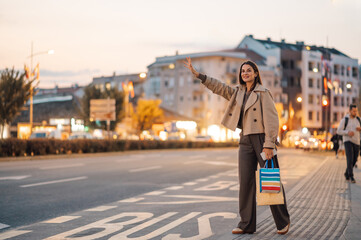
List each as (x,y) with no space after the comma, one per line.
(17,147)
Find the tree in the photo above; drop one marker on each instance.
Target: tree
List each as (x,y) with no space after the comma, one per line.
(146,114)
(91,92)
(14,92)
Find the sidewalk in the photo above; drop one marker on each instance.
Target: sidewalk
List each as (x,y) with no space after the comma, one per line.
(353,228)
(323,206)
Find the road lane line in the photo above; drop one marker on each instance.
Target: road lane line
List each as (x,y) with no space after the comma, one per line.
(155,193)
(131,200)
(174,188)
(63,166)
(100,209)
(14,177)
(12,234)
(62,219)
(144,169)
(56,181)
(3,226)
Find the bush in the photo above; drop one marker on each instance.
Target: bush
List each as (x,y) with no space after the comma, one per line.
(18,147)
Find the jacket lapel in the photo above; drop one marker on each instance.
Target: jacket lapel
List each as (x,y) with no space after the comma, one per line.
(251,100)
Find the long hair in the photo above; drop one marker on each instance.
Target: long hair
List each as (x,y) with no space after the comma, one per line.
(255,69)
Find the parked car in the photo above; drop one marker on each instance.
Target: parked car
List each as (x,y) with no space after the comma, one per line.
(80,135)
(201,138)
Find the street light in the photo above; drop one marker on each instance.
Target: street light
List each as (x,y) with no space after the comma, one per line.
(299,99)
(32,88)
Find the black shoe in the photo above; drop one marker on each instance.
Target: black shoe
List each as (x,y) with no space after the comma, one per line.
(353,180)
(347,177)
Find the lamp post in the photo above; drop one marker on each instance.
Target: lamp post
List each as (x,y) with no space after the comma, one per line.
(32,54)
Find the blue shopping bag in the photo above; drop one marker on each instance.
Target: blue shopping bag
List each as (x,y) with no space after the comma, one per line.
(269,179)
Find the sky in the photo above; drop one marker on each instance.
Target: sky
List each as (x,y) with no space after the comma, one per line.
(97,38)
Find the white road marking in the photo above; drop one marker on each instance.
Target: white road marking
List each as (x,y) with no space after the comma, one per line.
(63,166)
(11,234)
(189,183)
(14,177)
(62,219)
(155,193)
(218,163)
(131,200)
(100,208)
(202,180)
(194,199)
(56,181)
(3,226)
(144,169)
(174,188)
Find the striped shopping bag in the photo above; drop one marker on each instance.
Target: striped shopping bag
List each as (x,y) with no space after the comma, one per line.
(270,181)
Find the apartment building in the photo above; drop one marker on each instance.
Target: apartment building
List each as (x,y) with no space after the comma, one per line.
(180,92)
(310,75)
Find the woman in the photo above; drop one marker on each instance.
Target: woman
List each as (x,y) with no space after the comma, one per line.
(251,108)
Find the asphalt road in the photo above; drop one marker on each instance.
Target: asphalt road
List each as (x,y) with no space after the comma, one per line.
(33,192)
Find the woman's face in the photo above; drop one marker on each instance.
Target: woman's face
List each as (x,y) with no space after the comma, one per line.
(248,74)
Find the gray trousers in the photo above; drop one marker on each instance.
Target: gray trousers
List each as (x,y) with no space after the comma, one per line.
(250,147)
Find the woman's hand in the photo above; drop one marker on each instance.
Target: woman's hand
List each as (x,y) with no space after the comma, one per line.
(268,152)
(188,64)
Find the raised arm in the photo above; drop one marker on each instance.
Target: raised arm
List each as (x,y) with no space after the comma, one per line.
(212,84)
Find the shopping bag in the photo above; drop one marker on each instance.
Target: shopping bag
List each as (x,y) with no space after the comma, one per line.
(265,198)
(269,179)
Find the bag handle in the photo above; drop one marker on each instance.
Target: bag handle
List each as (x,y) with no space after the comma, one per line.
(266,164)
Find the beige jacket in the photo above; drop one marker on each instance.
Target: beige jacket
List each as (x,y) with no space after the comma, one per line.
(260,114)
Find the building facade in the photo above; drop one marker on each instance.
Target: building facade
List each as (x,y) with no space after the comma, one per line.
(318,83)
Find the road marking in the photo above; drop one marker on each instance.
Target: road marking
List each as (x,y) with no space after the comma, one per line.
(100,208)
(3,226)
(56,181)
(218,163)
(189,183)
(62,219)
(155,193)
(131,200)
(174,188)
(202,180)
(14,177)
(11,234)
(63,166)
(194,199)
(144,169)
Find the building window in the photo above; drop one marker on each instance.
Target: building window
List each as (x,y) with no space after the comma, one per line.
(292,64)
(335,101)
(335,117)
(318,99)
(310,83)
(342,101)
(348,71)
(342,70)
(284,83)
(284,64)
(343,86)
(318,116)
(166,83)
(310,66)
(298,82)
(354,72)
(336,69)
(353,100)
(348,101)
(292,81)
(108,86)
(194,98)
(310,115)
(234,80)
(310,99)
(181,98)
(318,83)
